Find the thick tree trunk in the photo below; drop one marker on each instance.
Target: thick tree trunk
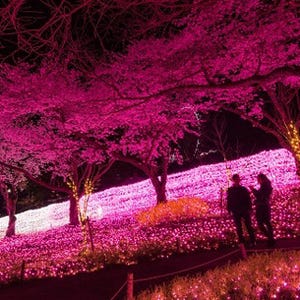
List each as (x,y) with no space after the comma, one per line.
(160,189)
(151,171)
(73,212)
(160,184)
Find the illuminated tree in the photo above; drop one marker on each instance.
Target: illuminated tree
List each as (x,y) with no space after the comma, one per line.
(55,131)
(36,138)
(152,141)
(223,56)
(226,57)
(279,116)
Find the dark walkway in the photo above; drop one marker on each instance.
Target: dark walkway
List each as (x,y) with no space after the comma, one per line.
(103,284)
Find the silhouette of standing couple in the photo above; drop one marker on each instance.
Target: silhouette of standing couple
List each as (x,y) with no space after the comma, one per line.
(240,206)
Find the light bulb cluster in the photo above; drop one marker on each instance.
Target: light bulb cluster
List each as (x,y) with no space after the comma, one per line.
(294,139)
(88,187)
(82,211)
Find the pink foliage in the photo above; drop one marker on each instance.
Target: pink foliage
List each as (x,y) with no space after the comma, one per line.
(225,52)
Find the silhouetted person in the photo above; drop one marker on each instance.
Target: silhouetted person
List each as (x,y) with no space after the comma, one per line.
(263,208)
(239,204)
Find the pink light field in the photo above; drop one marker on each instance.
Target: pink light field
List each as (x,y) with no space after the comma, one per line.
(52,248)
(204,181)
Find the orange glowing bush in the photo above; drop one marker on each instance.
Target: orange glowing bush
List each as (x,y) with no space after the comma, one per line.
(173,210)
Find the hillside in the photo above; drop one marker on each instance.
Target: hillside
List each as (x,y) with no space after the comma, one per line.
(204,181)
(48,247)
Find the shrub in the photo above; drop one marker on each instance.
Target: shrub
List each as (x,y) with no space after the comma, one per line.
(173,210)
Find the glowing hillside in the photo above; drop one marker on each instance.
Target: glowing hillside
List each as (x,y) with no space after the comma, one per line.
(49,247)
(204,181)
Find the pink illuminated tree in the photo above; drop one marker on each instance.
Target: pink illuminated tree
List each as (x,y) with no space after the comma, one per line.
(75,170)
(236,56)
(80,121)
(142,132)
(223,56)
(36,138)
(279,116)
(150,140)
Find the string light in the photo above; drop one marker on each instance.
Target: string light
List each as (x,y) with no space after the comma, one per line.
(82,212)
(293,137)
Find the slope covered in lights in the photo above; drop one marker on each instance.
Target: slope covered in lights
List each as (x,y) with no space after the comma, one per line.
(48,247)
(204,181)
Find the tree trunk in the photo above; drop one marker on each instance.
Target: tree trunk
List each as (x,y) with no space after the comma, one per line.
(73,212)
(10,196)
(160,189)
(151,171)
(11,228)
(160,185)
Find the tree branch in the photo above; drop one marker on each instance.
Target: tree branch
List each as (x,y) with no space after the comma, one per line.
(35,180)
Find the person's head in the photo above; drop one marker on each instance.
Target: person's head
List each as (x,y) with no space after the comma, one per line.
(236,179)
(262,178)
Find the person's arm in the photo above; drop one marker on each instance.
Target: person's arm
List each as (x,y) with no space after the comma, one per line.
(254,191)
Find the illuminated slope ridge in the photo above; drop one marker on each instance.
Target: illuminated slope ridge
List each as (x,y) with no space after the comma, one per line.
(204,181)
